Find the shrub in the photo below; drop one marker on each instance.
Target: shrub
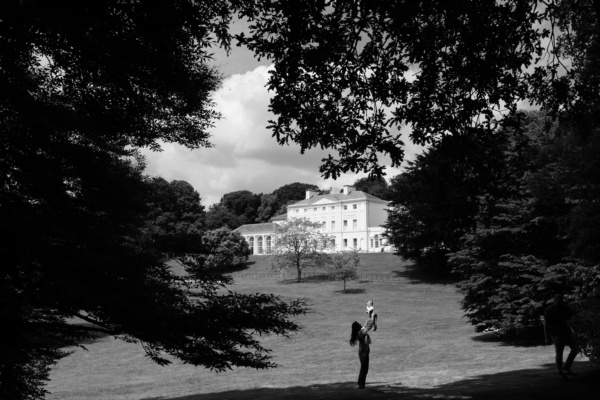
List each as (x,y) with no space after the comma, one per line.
(224,249)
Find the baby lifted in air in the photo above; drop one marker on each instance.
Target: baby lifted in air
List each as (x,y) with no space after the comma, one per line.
(372,320)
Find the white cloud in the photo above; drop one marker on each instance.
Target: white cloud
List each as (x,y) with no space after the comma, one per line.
(245,156)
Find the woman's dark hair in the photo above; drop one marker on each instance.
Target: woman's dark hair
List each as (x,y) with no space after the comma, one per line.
(356,327)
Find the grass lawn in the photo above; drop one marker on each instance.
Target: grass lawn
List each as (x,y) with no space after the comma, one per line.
(422,349)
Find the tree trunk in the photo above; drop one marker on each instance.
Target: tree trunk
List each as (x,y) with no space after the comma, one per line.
(299,267)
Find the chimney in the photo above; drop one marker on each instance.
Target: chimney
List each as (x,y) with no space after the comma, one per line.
(311,193)
(348,189)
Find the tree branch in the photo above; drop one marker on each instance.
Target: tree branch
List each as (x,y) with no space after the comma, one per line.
(101,327)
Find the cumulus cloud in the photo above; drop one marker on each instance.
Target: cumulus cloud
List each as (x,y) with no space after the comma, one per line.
(245,156)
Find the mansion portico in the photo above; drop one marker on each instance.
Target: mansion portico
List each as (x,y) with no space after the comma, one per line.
(353,218)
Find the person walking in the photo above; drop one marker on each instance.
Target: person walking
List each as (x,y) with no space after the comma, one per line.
(359,334)
(556,326)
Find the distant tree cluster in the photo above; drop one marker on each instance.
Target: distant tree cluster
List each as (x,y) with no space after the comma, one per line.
(244,207)
(235,209)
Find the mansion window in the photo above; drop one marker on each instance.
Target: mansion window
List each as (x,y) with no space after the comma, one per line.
(260,245)
(333,225)
(333,207)
(268,244)
(376,240)
(354,224)
(345,243)
(355,243)
(324,209)
(315,209)
(345,224)
(305,210)
(354,206)
(345,207)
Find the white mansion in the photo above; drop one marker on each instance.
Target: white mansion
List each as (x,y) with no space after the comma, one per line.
(353,218)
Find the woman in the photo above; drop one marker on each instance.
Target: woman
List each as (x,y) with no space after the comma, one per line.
(359,334)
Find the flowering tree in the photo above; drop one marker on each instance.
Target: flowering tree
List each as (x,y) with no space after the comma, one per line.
(299,244)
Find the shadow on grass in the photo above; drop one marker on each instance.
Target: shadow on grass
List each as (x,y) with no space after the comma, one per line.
(93,336)
(533,340)
(238,268)
(534,383)
(350,291)
(316,278)
(416,275)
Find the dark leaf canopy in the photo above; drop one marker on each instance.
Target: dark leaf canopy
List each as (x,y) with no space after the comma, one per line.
(126,73)
(349,74)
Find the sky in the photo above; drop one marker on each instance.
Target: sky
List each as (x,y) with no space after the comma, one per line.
(244,155)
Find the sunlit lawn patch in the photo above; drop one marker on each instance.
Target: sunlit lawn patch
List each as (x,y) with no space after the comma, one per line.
(423,343)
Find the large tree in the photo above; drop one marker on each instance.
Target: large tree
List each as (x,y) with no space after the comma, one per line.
(517,237)
(176,219)
(233,210)
(242,203)
(436,200)
(375,186)
(218,216)
(84,85)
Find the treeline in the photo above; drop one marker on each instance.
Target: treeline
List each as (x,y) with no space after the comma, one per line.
(244,207)
(177,220)
(515,215)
